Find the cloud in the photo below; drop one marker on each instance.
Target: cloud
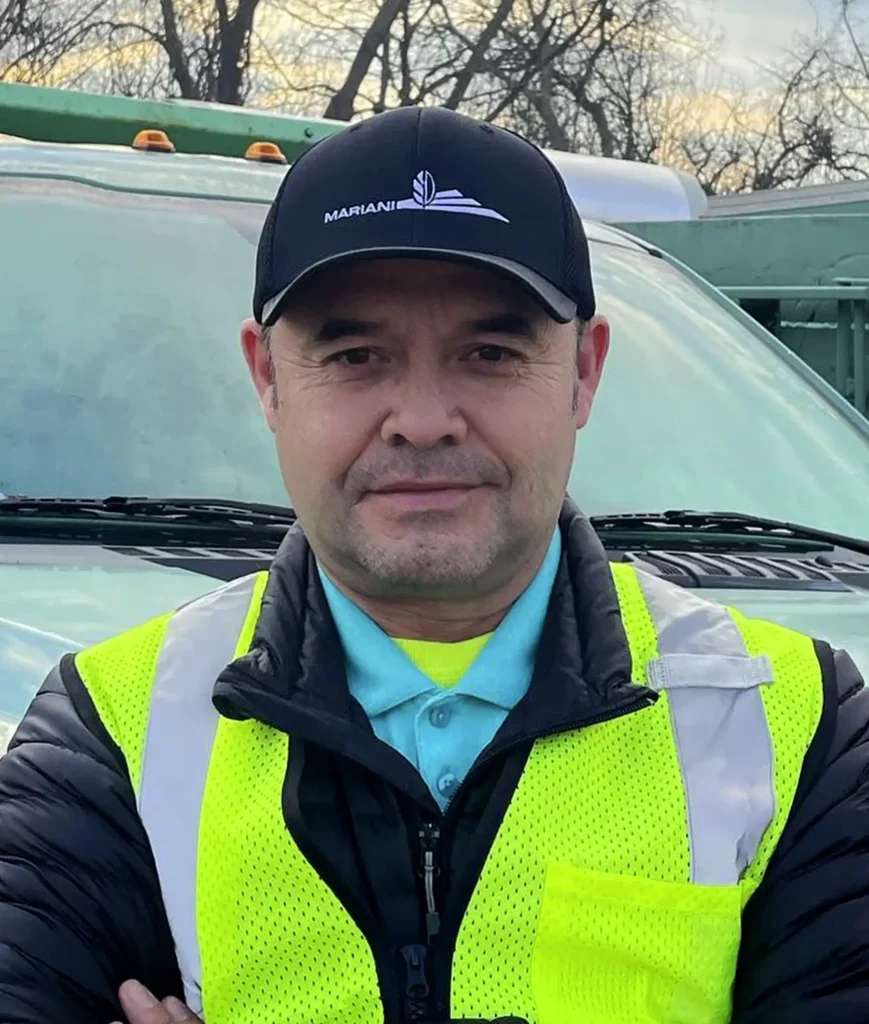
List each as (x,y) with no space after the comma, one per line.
(759,32)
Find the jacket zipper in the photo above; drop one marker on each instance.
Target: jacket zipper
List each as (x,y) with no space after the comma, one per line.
(420,997)
(417,984)
(429,836)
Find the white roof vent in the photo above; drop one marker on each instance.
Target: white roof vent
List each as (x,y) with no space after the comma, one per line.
(619,191)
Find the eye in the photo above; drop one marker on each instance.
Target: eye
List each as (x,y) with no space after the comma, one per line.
(493,354)
(352,357)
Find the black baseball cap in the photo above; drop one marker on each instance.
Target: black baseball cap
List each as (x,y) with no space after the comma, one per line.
(430,183)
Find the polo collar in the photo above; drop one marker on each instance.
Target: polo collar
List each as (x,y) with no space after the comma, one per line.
(382,677)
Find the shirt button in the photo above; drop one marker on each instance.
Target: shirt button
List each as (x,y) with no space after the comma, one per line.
(440,716)
(447,784)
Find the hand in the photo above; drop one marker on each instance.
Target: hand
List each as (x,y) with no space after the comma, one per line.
(141,1007)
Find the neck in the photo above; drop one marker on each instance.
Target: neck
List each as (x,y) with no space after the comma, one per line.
(442,620)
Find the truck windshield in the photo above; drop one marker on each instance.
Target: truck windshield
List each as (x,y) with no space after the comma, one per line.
(697,410)
(120,365)
(121,373)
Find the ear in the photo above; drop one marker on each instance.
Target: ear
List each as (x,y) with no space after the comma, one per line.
(261,367)
(590,358)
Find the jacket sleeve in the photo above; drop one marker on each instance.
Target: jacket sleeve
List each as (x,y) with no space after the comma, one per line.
(80,905)
(805,951)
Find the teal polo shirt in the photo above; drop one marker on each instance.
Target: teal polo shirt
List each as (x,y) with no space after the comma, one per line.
(442,730)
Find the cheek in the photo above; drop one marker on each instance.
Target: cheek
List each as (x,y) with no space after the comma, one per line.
(535,440)
(319,437)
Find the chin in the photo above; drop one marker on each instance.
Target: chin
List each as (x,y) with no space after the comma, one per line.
(433,560)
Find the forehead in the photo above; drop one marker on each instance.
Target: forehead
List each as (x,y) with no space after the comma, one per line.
(399,285)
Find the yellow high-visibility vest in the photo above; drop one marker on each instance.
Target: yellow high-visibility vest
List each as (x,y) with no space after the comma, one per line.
(614,889)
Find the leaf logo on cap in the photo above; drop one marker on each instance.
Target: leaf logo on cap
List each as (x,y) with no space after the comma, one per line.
(424,190)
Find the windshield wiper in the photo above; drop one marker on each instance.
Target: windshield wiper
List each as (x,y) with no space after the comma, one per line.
(130,520)
(717,529)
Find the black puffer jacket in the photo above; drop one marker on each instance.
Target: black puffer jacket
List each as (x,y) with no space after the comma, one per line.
(80,906)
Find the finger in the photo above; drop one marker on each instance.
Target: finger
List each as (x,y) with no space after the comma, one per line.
(142,1006)
(179,1012)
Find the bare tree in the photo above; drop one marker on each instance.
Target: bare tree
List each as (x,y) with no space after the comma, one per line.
(364,60)
(587,74)
(204,45)
(620,78)
(36,35)
(373,39)
(800,126)
(195,49)
(602,75)
(846,53)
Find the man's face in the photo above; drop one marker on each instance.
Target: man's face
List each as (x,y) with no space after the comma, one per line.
(425,415)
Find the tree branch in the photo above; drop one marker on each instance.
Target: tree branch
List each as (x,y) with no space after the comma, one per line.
(474,63)
(171,43)
(341,105)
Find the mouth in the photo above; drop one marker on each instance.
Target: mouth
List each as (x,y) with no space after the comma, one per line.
(421,495)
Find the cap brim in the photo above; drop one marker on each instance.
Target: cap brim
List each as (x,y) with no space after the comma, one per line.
(558,305)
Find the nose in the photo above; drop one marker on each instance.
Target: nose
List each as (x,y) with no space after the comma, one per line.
(424,416)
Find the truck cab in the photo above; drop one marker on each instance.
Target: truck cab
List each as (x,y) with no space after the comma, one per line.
(136,472)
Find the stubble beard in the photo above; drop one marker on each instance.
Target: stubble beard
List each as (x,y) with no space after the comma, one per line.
(433,557)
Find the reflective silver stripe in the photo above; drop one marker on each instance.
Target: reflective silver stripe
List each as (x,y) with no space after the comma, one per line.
(719,721)
(684,671)
(200,642)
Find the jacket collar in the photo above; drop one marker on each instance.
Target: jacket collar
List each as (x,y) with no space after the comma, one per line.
(293,677)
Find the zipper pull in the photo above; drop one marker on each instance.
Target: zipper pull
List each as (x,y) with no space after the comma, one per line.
(428,838)
(416,988)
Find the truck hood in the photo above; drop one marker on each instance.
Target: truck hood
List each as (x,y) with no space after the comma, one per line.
(840,618)
(55,600)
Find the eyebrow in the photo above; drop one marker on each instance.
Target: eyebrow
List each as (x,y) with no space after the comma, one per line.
(514,324)
(336,328)
(511,324)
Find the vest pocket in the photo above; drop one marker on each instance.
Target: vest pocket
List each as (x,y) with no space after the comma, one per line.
(616,949)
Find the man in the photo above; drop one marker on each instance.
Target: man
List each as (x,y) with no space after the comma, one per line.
(443,762)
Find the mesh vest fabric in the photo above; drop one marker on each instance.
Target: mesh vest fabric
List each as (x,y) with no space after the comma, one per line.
(601,923)
(119,675)
(584,909)
(276,944)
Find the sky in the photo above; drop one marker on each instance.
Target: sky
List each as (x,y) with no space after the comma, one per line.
(755,31)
